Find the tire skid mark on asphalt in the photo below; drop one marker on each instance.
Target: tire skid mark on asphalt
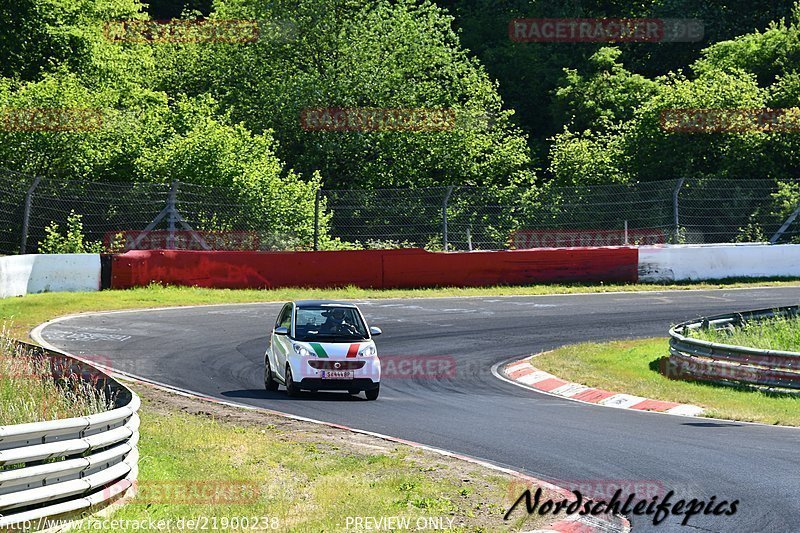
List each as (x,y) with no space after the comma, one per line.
(86,335)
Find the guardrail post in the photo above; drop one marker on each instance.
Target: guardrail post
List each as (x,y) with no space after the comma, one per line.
(675,209)
(316,219)
(444,216)
(26,216)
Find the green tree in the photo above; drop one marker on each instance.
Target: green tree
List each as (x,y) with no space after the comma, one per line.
(40,36)
(354,53)
(605,95)
(749,72)
(235,168)
(130,132)
(529,74)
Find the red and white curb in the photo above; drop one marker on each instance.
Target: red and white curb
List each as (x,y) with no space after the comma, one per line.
(524,372)
(572,524)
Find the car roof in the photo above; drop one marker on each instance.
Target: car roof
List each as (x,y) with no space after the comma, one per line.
(318,303)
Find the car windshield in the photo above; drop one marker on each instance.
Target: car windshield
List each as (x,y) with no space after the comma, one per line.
(329,324)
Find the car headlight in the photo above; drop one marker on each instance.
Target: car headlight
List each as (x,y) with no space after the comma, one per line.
(301,350)
(368,351)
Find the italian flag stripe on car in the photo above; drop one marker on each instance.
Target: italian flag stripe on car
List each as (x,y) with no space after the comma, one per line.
(318,349)
(353,350)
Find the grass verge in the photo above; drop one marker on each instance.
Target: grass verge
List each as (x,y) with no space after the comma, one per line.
(779,333)
(29,311)
(631,367)
(214,463)
(29,394)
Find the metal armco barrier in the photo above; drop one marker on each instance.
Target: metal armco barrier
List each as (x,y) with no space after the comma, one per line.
(62,466)
(708,361)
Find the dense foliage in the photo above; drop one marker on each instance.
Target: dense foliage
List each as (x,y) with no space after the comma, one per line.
(227,114)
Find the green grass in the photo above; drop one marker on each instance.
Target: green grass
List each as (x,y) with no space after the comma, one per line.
(31,310)
(29,394)
(632,367)
(304,477)
(781,333)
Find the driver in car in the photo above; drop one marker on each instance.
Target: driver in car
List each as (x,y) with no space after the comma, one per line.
(335,322)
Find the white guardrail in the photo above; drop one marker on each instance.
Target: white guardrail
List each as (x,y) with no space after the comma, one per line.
(62,466)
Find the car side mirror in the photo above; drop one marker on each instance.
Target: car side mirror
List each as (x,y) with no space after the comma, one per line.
(375,331)
(281,330)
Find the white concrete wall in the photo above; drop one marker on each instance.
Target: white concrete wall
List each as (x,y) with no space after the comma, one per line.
(718,261)
(28,274)
(15,271)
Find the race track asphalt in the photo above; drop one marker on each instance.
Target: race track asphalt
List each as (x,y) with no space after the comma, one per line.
(218,351)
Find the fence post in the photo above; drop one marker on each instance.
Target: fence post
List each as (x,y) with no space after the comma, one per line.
(316,219)
(626,232)
(26,216)
(172,212)
(785,226)
(444,216)
(675,208)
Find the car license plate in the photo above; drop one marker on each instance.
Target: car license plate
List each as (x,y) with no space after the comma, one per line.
(337,374)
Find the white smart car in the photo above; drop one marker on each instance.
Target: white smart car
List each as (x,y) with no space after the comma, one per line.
(322,345)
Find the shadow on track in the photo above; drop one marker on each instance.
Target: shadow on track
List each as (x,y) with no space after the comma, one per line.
(261,394)
(712,425)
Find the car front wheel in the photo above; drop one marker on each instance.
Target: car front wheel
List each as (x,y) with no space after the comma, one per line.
(291,387)
(269,382)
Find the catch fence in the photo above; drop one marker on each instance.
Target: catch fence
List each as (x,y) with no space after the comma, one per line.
(181,215)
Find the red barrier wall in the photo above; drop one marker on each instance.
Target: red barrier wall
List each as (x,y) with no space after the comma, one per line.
(474,269)
(372,268)
(239,270)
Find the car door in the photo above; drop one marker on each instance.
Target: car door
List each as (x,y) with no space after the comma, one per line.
(281,343)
